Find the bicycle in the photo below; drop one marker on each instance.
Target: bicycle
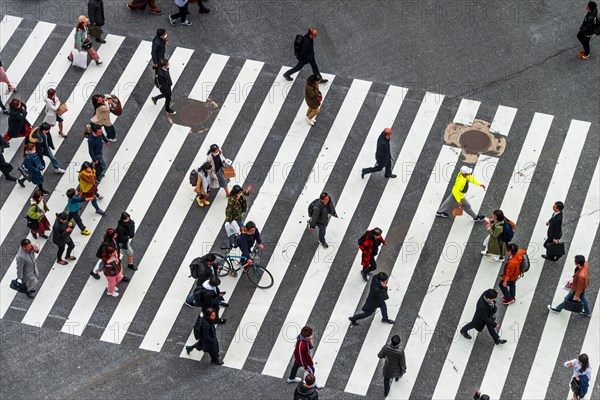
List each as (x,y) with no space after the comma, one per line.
(257,275)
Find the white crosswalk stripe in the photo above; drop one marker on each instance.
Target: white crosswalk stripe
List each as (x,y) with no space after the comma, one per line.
(248,322)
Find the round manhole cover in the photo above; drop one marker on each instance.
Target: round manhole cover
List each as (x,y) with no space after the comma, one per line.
(194,113)
(475,141)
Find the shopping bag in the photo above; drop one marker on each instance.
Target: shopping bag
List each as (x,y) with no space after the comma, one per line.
(232,228)
(228,172)
(79,59)
(62,109)
(457,212)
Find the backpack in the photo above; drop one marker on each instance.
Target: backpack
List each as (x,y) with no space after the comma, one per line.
(195,266)
(525,264)
(112,268)
(298,44)
(507,233)
(311,207)
(193,177)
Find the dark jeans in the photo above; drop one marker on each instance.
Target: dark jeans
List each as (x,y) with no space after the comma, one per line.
(366,314)
(61,248)
(386,386)
(377,168)
(510,291)
(301,64)
(322,231)
(585,42)
(100,168)
(167,98)
(296,366)
(582,298)
(491,329)
(372,266)
(110,132)
(182,14)
(75,215)
(4,166)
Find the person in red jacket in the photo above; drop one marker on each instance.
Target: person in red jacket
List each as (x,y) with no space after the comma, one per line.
(369,245)
(302,354)
(510,273)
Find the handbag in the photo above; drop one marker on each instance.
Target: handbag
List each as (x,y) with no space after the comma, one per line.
(32,224)
(575,306)
(116,108)
(575,386)
(457,212)
(228,172)
(92,192)
(25,172)
(555,249)
(62,109)
(87,44)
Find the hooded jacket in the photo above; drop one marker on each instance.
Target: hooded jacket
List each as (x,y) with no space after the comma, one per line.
(302,352)
(304,392)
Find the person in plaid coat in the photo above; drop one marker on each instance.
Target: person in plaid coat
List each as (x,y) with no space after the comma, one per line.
(369,245)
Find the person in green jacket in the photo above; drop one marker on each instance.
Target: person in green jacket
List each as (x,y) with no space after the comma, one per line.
(236,205)
(36,215)
(496,247)
(456,199)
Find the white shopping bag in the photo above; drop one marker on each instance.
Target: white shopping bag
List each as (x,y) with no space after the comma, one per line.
(79,59)
(232,228)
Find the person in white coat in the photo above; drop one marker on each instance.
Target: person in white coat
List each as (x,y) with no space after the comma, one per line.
(52,105)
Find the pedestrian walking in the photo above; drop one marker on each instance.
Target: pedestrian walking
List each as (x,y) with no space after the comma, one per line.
(494,242)
(112,269)
(102,105)
(457,199)
(589,25)
(32,168)
(41,138)
(159,45)
(201,8)
(83,43)
(511,270)
(554,225)
(95,149)
(218,161)
(61,237)
(383,156)
(208,295)
(110,239)
(303,350)
(479,396)
(485,316)
(201,269)
(163,79)
(182,5)
(205,181)
(313,98)
(369,246)
(54,109)
(4,79)
(126,232)
(36,215)
(88,185)
(237,205)
(73,205)
(307,390)
(206,336)
(18,126)
(5,167)
(140,5)
(394,365)
(27,269)
(305,53)
(581,281)
(319,212)
(582,375)
(378,294)
(96,13)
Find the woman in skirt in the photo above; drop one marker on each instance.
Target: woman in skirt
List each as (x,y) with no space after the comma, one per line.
(217,161)
(52,105)
(36,215)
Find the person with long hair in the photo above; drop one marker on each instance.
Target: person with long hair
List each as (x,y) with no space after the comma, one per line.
(110,239)
(113,271)
(88,186)
(18,126)
(206,181)
(126,232)
(102,116)
(582,374)
(218,161)
(52,105)
(495,246)
(36,215)
(81,37)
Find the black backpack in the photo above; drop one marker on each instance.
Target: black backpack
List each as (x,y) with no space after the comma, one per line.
(298,44)
(311,207)
(193,177)
(195,266)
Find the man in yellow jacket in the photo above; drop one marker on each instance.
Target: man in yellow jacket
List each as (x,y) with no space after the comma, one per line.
(456,199)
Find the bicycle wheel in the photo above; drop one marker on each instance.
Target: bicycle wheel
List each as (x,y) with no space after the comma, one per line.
(260,277)
(224,263)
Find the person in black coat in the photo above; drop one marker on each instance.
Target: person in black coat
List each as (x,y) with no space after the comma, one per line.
(383,156)
(587,28)
(163,78)
(96,16)
(206,336)
(126,232)
(18,126)
(205,268)
(320,216)
(306,55)
(376,299)
(485,316)
(61,236)
(159,44)
(5,167)
(554,229)
(208,295)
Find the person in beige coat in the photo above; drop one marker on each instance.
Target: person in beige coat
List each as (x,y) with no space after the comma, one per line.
(218,161)
(102,115)
(206,181)
(52,105)
(313,98)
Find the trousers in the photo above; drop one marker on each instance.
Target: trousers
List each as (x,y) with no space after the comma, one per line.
(61,248)
(141,5)
(491,329)
(450,203)
(377,168)
(585,42)
(510,291)
(113,281)
(182,14)
(322,231)
(301,65)
(4,166)
(310,370)
(582,298)
(386,386)
(167,98)
(365,314)
(75,215)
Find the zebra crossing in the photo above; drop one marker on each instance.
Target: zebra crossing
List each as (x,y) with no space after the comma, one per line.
(266,122)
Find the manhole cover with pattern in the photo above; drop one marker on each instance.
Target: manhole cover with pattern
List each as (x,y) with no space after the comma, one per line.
(193,113)
(475,141)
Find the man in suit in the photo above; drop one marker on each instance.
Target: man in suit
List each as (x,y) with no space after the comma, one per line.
(306,55)
(554,229)
(383,156)
(485,316)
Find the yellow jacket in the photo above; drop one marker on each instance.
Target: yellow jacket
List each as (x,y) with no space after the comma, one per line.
(459,186)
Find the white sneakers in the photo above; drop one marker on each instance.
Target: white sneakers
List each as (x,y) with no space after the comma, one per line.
(310,121)
(113,294)
(59,171)
(295,380)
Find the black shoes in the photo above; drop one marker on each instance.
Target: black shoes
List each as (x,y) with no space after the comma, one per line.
(154,100)
(21,182)
(171,112)
(365,274)
(466,335)
(324,244)
(126,279)
(224,305)
(392,176)
(221,321)
(30,294)
(217,362)
(95,275)
(100,40)
(190,305)
(550,258)
(45,191)
(353,322)
(10,178)
(288,78)
(203,10)
(132,266)
(324,80)
(189,349)
(442,214)
(44,236)
(479,218)
(389,321)
(500,341)
(362,174)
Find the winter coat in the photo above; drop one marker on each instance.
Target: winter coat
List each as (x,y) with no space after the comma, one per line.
(214,170)
(60,236)
(26,265)
(42,142)
(87,180)
(395,361)
(235,208)
(307,49)
(383,153)
(163,77)
(207,296)
(581,279)
(369,248)
(306,392)
(158,50)
(587,26)
(302,352)
(210,343)
(246,241)
(17,120)
(95,144)
(496,245)
(52,106)
(377,295)
(512,266)
(321,213)
(125,232)
(35,210)
(73,203)
(313,96)
(102,115)
(484,314)
(205,270)
(555,226)
(461,185)
(96,12)
(34,165)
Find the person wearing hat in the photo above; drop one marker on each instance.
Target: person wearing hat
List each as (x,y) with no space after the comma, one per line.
(81,36)
(383,156)
(218,161)
(586,31)
(96,13)
(61,237)
(394,365)
(457,199)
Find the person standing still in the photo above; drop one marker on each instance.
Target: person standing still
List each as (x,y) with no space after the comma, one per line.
(394,365)
(27,270)
(587,28)
(159,46)
(554,229)
(163,79)
(457,199)
(182,5)
(378,294)
(96,14)
(140,5)
(126,232)
(383,156)
(313,98)
(306,55)
(581,281)
(320,217)
(485,316)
